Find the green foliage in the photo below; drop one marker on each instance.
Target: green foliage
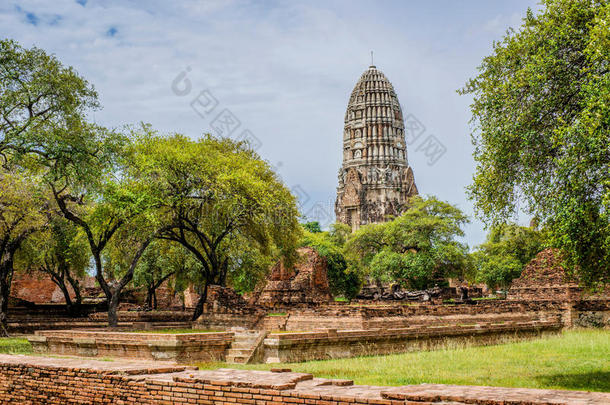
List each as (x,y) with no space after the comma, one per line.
(248,267)
(541,114)
(313,227)
(59,245)
(415,249)
(37,95)
(23,206)
(61,252)
(339,233)
(221,202)
(163,261)
(342,282)
(507,249)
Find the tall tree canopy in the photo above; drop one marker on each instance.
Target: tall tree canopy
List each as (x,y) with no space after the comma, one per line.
(44,129)
(61,252)
(507,249)
(416,249)
(23,206)
(343,281)
(541,111)
(216,197)
(37,94)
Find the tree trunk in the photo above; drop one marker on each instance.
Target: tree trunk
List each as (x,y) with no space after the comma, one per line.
(113,305)
(6,275)
(67,298)
(202,298)
(154,299)
(58,278)
(149,294)
(78,300)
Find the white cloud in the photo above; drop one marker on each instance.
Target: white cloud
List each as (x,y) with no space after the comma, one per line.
(284,68)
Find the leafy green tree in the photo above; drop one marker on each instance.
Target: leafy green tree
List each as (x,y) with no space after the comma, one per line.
(342,283)
(60,252)
(162,261)
(43,127)
(23,204)
(541,115)
(339,233)
(507,249)
(416,249)
(313,227)
(248,267)
(217,196)
(98,192)
(37,93)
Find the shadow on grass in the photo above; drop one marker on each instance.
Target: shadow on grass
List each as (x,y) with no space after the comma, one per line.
(592,381)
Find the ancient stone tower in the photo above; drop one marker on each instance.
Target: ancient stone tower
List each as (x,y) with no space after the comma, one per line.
(375,180)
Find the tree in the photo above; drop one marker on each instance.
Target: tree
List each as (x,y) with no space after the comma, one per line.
(541,115)
(60,252)
(216,197)
(37,93)
(94,187)
(342,282)
(507,249)
(44,128)
(339,233)
(313,227)
(162,261)
(416,249)
(248,267)
(22,212)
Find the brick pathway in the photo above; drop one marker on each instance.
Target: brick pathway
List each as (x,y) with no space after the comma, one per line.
(301,385)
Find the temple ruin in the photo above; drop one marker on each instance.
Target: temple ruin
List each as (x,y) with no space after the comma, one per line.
(375,180)
(304,283)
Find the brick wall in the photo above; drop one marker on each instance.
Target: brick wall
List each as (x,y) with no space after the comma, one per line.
(27,380)
(186,347)
(332,344)
(344,317)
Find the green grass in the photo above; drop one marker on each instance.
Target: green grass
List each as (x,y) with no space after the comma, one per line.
(574,360)
(15,346)
(277,314)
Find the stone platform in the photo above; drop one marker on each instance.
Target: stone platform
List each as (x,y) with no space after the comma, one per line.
(29,380)
(182,347)
(333,344)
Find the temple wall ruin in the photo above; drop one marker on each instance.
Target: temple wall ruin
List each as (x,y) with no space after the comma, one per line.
(332,344)
(186,347)
(29,380)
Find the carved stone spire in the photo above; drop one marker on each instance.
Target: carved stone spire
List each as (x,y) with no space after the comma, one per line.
(375,180)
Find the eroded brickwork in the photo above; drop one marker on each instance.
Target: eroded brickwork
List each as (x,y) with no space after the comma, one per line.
(332,344)
(304,283)
(27,380)
(183,347)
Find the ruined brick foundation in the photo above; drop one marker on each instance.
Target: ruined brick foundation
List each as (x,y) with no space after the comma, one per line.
(28,380)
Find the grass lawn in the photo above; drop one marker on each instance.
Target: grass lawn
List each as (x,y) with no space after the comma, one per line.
(574,360)
(15,346)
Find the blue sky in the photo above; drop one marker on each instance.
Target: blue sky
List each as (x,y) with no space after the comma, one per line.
(283,70)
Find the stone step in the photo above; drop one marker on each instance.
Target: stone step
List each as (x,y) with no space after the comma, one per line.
(239,352)
(242,345)
(237,359)
(248,336)
(248,342)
